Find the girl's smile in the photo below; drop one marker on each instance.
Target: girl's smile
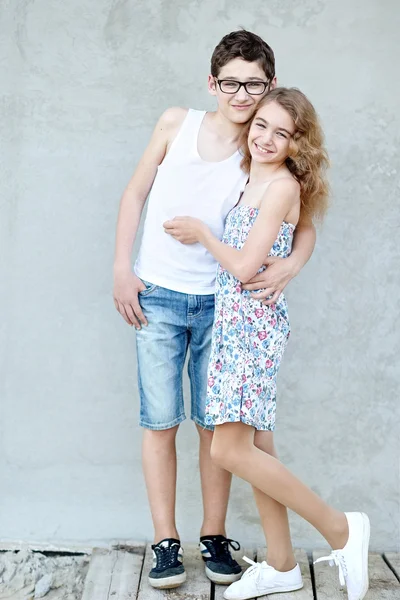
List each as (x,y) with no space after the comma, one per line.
(270,134)
(262,149)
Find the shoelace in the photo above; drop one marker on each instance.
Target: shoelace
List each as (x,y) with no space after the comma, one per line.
(220,549)
(255,568)
(336,558)
(166,555)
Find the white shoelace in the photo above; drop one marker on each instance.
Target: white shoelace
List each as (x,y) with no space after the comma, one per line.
(336,558)
(255,569)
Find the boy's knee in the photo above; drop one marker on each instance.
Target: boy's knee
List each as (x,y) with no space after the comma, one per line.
(205,434)
(161,436)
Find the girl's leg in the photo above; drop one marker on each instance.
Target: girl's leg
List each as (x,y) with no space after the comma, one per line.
(273,515)
(233,449)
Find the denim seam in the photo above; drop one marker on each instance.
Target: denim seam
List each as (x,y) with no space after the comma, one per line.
(200,311)
(194,389)
(203,425)
(197,314)
(160,426)
(147,291)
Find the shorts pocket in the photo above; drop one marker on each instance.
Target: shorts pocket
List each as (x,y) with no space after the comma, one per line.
(150,288)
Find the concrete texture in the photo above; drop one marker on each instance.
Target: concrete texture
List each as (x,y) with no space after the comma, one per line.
(82,84)
(26,575)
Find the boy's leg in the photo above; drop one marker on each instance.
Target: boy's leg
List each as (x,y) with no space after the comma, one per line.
(159,468)
(220,567)
(215,482)
(215,488)
(161,353)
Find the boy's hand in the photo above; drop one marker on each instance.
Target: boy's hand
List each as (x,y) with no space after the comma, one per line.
(273,280)
(187,230)
(126,289)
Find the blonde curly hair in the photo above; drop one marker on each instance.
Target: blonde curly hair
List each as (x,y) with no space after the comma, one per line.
(308,159)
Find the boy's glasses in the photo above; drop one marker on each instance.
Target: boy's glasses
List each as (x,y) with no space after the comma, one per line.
(253,88)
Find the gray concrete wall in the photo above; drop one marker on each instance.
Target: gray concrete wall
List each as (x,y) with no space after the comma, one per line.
(82,84)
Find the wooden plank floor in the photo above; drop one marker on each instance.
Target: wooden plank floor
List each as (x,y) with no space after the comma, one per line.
(121,574)
(114,574)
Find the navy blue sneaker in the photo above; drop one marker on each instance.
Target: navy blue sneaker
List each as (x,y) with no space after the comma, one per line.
(168,570)
(220,566)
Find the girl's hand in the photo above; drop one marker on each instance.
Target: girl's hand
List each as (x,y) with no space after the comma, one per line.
(187,230)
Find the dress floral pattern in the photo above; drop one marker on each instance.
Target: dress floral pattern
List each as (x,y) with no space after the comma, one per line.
(248,339)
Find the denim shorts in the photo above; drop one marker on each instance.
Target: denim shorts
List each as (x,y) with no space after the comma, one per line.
(177,323)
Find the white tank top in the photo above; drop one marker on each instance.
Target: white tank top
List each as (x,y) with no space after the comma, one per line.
(187,185)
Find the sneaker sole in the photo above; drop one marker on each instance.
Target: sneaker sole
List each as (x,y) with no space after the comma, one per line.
(365,547)
(288,588)
(167,583)
(220,578)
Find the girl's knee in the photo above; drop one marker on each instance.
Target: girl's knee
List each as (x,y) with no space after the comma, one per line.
(221,454)
(216,451)
(227,452)
(264,440)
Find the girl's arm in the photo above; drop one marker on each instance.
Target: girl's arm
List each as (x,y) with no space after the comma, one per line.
(280,197)
(273,280)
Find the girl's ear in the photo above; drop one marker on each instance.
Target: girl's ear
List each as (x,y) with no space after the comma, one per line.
(293,147)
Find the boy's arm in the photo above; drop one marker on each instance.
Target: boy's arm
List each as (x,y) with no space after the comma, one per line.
(281,271)
(126,284)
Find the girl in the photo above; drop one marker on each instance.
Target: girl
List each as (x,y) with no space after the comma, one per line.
(286,161)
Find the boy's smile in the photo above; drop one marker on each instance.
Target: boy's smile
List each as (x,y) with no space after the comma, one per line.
(239,106)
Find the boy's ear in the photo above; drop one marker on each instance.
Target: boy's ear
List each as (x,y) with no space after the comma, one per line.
(274,83)
(212,86)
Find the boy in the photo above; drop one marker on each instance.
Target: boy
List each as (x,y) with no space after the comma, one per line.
(192,167)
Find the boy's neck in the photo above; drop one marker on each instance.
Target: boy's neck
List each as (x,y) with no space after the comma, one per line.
(224,128)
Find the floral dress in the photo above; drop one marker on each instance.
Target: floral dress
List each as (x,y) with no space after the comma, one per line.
(248,338)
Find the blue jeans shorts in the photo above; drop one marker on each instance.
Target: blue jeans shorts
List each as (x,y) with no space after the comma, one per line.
(177,323)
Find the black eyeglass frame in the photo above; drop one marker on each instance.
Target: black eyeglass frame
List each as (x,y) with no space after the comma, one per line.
(244,84)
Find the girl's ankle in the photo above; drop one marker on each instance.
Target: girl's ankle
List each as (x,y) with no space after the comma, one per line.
(282,564)
(339,534)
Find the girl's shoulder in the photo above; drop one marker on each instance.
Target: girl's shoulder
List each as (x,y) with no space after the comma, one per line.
(286,183)
(282,188)
(282,197)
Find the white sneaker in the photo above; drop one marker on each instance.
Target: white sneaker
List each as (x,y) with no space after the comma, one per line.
(352,560)
(261,579)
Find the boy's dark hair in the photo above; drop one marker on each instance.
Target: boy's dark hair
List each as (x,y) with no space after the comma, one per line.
(243,44)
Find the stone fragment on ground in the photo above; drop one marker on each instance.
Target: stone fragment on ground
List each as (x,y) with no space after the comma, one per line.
(28,575)
(43,586)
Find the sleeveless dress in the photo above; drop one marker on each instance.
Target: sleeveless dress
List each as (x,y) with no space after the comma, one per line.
(248,338)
